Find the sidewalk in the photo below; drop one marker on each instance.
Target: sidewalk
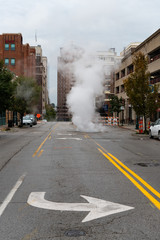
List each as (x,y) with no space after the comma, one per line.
(15,128)
(129,127)
(5,128)
(134,130)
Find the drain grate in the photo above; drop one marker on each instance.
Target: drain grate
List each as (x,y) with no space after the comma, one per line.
(147,164)
(75,233)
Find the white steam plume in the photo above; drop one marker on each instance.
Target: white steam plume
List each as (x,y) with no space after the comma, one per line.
(88,76)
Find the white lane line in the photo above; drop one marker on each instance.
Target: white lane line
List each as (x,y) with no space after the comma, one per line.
(68,134)
(69,138)
(11,194)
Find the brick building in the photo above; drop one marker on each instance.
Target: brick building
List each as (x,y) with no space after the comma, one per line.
(24,60)
(18,58)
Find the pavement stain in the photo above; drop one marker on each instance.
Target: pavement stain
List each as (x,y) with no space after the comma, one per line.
(62,148)
(30,235)
(23,207)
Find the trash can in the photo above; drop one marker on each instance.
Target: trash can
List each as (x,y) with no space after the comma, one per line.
(10,123)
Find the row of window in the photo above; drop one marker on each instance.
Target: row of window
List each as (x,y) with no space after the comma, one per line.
(12,61)
(120,89)
(9,46)
(123,72)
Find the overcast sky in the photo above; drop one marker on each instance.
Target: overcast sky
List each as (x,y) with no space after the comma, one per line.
(100,23)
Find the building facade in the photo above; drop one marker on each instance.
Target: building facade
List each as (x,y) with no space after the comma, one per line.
(110,61)
(65,81)
(41,76)
(150,48)
(24,60)
(19,58)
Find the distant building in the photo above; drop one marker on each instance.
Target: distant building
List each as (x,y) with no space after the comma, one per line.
(150,48)
(42,80)
(110,61)
(65,81)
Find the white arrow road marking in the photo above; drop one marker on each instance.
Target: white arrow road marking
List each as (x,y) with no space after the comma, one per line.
(98,208)
(70,138)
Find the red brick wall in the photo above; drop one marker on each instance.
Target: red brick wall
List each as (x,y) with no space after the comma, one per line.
(24,55)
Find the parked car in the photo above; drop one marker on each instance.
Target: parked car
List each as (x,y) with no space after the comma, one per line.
(154,130)
(27,121)
(33,118)
(44,120)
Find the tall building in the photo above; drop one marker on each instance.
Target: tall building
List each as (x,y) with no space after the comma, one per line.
(18,57)
(150,48)
(110,61)
(42,79)
(65,81)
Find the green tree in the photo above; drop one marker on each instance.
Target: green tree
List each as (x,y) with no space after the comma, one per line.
(26,95)
(115,104)
(143,98)
(6,87)
(50,112)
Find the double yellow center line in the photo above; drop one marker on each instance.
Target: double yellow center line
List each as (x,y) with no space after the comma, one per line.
(121,167)
(38,149)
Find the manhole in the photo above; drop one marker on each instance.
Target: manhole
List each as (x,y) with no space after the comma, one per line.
(148,164)
(75,233)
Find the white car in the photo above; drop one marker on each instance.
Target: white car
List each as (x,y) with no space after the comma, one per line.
(27,121)
(154,130)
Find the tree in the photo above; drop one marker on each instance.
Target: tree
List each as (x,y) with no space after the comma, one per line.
(142,96)
(115,104)
(6,87)
(50,112)
(26,95)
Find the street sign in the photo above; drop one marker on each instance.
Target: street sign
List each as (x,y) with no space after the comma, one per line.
(97,208)
(38,115)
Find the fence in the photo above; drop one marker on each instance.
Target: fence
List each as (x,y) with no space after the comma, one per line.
(109,121)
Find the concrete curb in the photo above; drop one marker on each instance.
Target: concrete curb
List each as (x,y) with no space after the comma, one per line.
(135,132)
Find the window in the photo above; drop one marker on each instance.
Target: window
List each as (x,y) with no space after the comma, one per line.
(117,76)
(122,73)
(6,61)
(130,69)
(122,88)
(12,46)
(117,89)
(6,46)
(13,61)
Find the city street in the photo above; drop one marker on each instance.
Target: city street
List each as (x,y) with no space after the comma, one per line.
(57,183)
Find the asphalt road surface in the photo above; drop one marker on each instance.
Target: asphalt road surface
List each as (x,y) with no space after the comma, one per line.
(57,183)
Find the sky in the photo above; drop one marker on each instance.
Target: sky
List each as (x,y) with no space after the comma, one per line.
(100,24)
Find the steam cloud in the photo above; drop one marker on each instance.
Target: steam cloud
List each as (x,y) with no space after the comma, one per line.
(88,77)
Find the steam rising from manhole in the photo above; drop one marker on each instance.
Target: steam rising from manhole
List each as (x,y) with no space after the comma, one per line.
(87,84)
(75,233)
